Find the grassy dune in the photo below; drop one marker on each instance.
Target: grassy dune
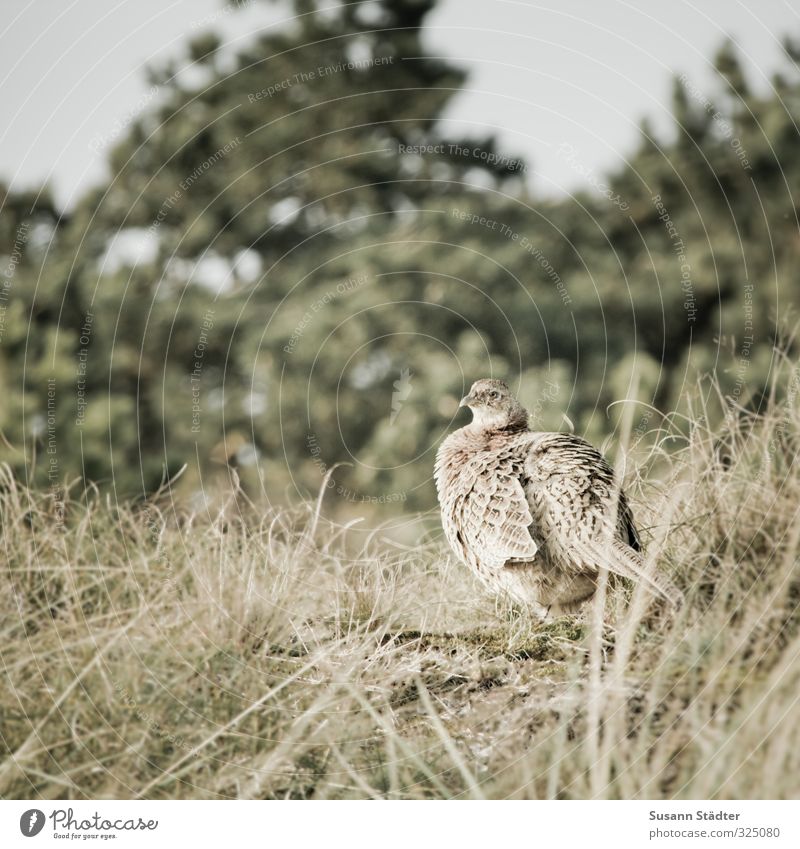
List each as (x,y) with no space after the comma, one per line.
(149,652)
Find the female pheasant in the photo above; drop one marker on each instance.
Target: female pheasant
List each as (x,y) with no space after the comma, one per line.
(535,515)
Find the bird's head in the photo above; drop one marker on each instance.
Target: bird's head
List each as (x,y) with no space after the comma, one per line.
(494,406)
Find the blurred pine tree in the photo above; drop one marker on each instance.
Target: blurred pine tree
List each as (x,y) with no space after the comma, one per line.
(290,235)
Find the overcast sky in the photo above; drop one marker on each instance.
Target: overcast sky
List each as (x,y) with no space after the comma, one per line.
(541,74)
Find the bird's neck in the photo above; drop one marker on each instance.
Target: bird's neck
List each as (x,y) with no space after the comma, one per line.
(517,421)
(510,422)
(492,429)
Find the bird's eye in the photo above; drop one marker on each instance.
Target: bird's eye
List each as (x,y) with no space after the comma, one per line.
(494,394)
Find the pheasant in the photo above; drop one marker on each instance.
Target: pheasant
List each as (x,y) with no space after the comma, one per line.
(535,515)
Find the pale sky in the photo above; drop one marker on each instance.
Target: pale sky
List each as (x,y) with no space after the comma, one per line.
(582,72)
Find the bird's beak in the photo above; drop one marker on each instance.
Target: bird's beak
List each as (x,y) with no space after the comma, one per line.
(466,401)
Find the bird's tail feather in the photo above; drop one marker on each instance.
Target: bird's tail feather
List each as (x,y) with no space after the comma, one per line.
(621,559)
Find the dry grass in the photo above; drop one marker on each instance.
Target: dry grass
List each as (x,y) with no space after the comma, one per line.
(152,653)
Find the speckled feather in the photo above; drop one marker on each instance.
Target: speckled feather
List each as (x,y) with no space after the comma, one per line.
(535,514)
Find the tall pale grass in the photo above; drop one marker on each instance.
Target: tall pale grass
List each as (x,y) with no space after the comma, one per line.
(258,653)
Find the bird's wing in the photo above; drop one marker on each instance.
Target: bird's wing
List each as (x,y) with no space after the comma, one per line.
(494,519)
(570,488)
(572,494)
(627,527)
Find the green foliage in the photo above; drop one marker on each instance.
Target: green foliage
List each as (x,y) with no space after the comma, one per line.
(322,271)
